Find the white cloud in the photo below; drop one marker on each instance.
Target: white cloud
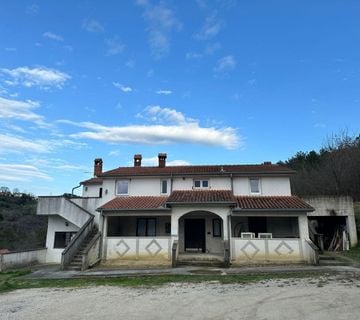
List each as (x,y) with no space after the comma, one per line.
(164,92)
(114,46)
(10,49)
(193,55)
(211,27)
(122,87)
(161,22)
(11,143)
(174,127)
(21,172)
(92,25)
(225,64)
(39,76)
(53,36)
(20,110)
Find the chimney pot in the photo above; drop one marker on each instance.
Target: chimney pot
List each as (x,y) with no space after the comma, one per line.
(267,163)
(98,167)
(162,160)
(137,160)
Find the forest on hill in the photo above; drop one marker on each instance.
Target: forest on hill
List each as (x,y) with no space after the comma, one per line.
(333,170)
(20,227)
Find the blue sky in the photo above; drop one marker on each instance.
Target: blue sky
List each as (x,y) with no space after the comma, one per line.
(208,82)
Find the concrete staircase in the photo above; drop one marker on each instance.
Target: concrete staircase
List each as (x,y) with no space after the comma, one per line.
(76,262)
(329,259)
(200,259)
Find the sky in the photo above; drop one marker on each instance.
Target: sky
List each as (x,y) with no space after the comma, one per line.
(207,82)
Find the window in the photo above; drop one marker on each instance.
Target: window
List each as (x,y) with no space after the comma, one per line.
(216,227)
(62,239)
(201,184)
(164,184)
(254,185)
(100,193)
(122,187)
(167,227)
(146,227)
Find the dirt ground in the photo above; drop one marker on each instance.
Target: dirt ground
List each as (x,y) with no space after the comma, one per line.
(328,297)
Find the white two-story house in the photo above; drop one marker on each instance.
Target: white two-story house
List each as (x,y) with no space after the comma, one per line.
(230,214)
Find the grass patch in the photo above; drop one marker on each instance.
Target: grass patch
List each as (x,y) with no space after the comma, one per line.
(14,280)
(353,253)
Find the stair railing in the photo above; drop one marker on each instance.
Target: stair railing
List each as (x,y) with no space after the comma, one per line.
(75,243)
(91,255)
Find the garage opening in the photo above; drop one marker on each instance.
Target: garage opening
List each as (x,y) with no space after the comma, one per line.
(329,233)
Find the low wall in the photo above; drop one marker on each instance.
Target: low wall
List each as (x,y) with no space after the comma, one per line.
(118,249)
(19,259)
(245,251)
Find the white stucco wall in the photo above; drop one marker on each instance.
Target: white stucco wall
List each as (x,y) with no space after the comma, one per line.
(269,186)
(56,224)
(91,190)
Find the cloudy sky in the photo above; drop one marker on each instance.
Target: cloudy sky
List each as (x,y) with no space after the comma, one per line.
(208,82)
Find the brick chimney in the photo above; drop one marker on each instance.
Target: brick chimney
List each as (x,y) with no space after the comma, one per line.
(98,167)
(137,160)
(162,160)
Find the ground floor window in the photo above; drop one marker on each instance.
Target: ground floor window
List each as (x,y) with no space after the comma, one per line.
(62,239)
(140,226)
(273,227)
(217,228)
(146,227)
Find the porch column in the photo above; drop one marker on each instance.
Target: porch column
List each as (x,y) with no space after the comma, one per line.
(103,235)
(303,226)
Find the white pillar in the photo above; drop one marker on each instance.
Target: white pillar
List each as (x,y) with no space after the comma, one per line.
(303,226)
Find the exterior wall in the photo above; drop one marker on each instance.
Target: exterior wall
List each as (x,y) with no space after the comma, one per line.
(90,204)
(56,224)
(246,251)
(269,186)
(335,206)
(212,244)
(91,190)
(120,249)
(22,258)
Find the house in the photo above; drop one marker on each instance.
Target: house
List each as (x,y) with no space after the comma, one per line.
(230,214)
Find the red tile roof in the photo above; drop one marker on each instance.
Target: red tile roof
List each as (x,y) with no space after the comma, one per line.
(135,203)
(272,203)
(241,203)
(201,196)
(199,170)
(95,180)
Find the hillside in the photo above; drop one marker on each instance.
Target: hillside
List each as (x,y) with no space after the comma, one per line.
(20,227)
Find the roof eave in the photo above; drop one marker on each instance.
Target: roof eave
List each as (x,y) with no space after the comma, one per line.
(274,210)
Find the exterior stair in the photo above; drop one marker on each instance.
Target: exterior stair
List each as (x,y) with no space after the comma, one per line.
(200,259)
(76,262)
(329,259)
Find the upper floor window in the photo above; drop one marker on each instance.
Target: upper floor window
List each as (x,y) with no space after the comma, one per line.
(254,185)
(164,186)
(201,184)
(122,187)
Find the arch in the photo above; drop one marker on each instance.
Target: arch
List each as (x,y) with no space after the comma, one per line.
(201,231)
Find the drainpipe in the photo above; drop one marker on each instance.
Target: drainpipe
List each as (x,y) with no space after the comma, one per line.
(232,182)
(171,182)
(72,190)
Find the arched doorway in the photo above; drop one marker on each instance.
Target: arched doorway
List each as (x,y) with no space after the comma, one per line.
(201,232)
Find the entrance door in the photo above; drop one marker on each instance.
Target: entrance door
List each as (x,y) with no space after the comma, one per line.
(195,235)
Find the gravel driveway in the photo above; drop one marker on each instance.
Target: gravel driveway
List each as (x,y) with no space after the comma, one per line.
(331,297)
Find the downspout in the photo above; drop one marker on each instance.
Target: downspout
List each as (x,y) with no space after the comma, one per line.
(171,182)
(72,190)
(232,182)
